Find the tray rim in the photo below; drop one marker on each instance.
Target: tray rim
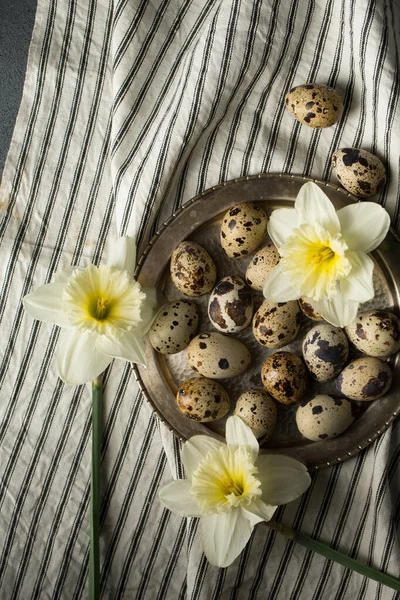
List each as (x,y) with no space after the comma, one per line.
(164,226)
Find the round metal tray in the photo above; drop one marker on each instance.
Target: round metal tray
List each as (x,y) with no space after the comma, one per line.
(199,220)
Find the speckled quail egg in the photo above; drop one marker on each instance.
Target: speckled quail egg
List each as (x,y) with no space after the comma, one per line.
(174,326)
(243,229)
(375,332)
(202,399)
(325,351)
(309,310)
(277,324)
(217,356)
(261,266)
(284,376)
(192,269)
(257,409)
(323,417)
(365,378)
(360,172)
(314,104)
(230,308)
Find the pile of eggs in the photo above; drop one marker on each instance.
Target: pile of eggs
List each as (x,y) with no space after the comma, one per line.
(353,359)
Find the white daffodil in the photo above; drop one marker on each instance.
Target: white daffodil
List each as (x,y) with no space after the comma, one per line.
(103,311)
(324,253)
(232,488)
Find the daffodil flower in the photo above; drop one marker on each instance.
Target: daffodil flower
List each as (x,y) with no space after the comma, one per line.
(104,314)
(324,253)
(231,487)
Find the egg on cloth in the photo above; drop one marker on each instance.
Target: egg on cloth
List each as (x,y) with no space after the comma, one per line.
(202,399)
(243,229)
(257,409)
(365,379)
(314,104)
(230,308)
(284,376)
(218,356)
(277,324)
(325,351)
(375,332)
(309,310)
(324,417)
(360,172)
(193,271)
(261,266)
(174,326)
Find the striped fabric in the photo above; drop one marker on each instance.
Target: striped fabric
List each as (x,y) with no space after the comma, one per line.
(130,108)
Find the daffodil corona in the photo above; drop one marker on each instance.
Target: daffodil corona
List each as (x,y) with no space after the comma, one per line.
(324,253)
(232,488)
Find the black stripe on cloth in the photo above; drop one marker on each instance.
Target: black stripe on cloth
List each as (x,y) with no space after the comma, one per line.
(172,562)
(130,33)
(199,579)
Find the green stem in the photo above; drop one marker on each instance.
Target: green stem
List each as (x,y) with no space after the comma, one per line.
(342,559)
(94,559)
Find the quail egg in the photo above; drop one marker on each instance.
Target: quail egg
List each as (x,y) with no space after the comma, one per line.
(243,229)
(257,409)
(202,399)
(324,417)
(360,172)
(309,310)
(230,308)
(261,266)
(375,332)
(325,351)
(217,356)
(192,269)
(314,104)
(284,376)
(174,326)
(365,378)
(277,324)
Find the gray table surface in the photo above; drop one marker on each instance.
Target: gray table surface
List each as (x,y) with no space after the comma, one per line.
(16,24)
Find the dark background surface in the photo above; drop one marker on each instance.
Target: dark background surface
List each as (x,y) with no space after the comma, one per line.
(16,24)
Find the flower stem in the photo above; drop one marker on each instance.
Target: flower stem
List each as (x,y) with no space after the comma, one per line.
(342,559)
(94,559)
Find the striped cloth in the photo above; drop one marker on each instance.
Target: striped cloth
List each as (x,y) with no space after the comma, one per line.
(130,108)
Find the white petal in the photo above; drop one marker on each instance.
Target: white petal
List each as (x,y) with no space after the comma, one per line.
(148,309)
(339,311)
(258,511)
(224,536)
(128,347)
(44,304)
(237,433)
(65,274)
(278,288)
(283,479)
(78,361)
(177,498)
(281,224)
(359,283)
(195,449)
(364,225)
(313,206)
(123,254)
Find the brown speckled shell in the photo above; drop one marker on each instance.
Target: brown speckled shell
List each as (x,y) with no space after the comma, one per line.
(284,376)
(308,309)
(366,379)
(324,417)
(325,351)
(217,356)
(193,271)
(360,172)
(261,266)
(243,229)
(375,332)
(230,307)
(202,399)
(257,409)
(314,104)
(174,326)
(277,324)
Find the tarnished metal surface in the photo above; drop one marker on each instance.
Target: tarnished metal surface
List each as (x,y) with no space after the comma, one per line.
(200,220)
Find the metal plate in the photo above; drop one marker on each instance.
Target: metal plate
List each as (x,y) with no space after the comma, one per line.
(199,220)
